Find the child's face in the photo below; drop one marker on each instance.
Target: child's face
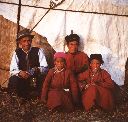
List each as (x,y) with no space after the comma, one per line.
(73,46)
(59,63)
(95,64)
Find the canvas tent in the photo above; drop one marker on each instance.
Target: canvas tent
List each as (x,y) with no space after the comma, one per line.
(101,24)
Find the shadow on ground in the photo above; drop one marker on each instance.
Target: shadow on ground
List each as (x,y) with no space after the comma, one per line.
(14,109)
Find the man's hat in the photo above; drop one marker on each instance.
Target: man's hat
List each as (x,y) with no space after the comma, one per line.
(72,37)
(24,33)
(97,57)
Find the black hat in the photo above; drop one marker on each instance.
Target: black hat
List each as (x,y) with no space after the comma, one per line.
(72,37)
(97,57)
(24,33)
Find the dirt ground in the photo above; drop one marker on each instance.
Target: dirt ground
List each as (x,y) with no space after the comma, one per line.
(14,109)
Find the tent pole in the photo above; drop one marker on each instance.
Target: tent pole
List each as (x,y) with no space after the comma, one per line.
(18,20)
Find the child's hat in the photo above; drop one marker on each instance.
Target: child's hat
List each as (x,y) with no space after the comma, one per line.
(59,55)
(72,37)
(97,57)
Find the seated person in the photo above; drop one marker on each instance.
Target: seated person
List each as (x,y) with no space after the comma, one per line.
(28,66)
(96,85)
(60,90)
(76,60)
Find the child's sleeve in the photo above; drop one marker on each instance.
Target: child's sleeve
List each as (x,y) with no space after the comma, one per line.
(46,85)
(107,82)
(85,62)
(74,88)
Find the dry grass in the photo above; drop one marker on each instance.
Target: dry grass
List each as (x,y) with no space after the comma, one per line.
(14,109)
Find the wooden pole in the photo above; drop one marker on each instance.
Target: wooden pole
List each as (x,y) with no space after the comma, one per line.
(18,20)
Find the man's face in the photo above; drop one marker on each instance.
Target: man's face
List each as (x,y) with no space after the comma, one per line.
(25,43)
(73,46)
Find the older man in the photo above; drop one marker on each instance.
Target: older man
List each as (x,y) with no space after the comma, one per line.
(28,66)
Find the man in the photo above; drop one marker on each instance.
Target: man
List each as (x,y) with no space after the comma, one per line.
(28,66)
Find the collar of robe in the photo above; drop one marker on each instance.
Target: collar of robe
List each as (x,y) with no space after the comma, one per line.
(56,70)
(73,53)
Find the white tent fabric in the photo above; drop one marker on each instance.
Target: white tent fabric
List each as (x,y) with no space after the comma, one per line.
(100,33)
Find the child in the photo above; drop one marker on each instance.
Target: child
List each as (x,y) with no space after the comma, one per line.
(60,90)
(96,85)
(76,60)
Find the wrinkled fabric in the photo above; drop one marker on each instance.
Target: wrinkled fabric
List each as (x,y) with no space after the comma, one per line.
(99,33)
(53,90)
(76,61)
(100,92)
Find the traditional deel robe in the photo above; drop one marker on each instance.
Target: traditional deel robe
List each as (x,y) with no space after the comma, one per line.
(101,93)
(77,62)
(60,89)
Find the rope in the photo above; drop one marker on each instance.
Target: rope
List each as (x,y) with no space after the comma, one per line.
(39,20)
(52,5)
(123,15)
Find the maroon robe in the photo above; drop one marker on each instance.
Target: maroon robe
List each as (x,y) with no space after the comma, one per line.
(76,61)
(101,93)
(53,90)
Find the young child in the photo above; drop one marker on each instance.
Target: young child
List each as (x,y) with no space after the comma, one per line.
(60,90)
(76,60)
(96,85)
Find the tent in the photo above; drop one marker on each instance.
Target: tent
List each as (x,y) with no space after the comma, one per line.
(101,24)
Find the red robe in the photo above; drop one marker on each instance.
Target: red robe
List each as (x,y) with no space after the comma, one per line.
(53,90)
(101,93)
(76,61)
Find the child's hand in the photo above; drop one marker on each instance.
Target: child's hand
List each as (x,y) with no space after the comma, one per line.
(87,86)
(84,68)
(93,84)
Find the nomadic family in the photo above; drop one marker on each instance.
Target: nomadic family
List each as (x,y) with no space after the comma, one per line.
(75,80)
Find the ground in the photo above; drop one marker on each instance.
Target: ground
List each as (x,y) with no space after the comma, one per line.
(14,109)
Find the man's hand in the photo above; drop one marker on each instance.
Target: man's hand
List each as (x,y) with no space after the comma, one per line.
(36,70)
(24,74)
